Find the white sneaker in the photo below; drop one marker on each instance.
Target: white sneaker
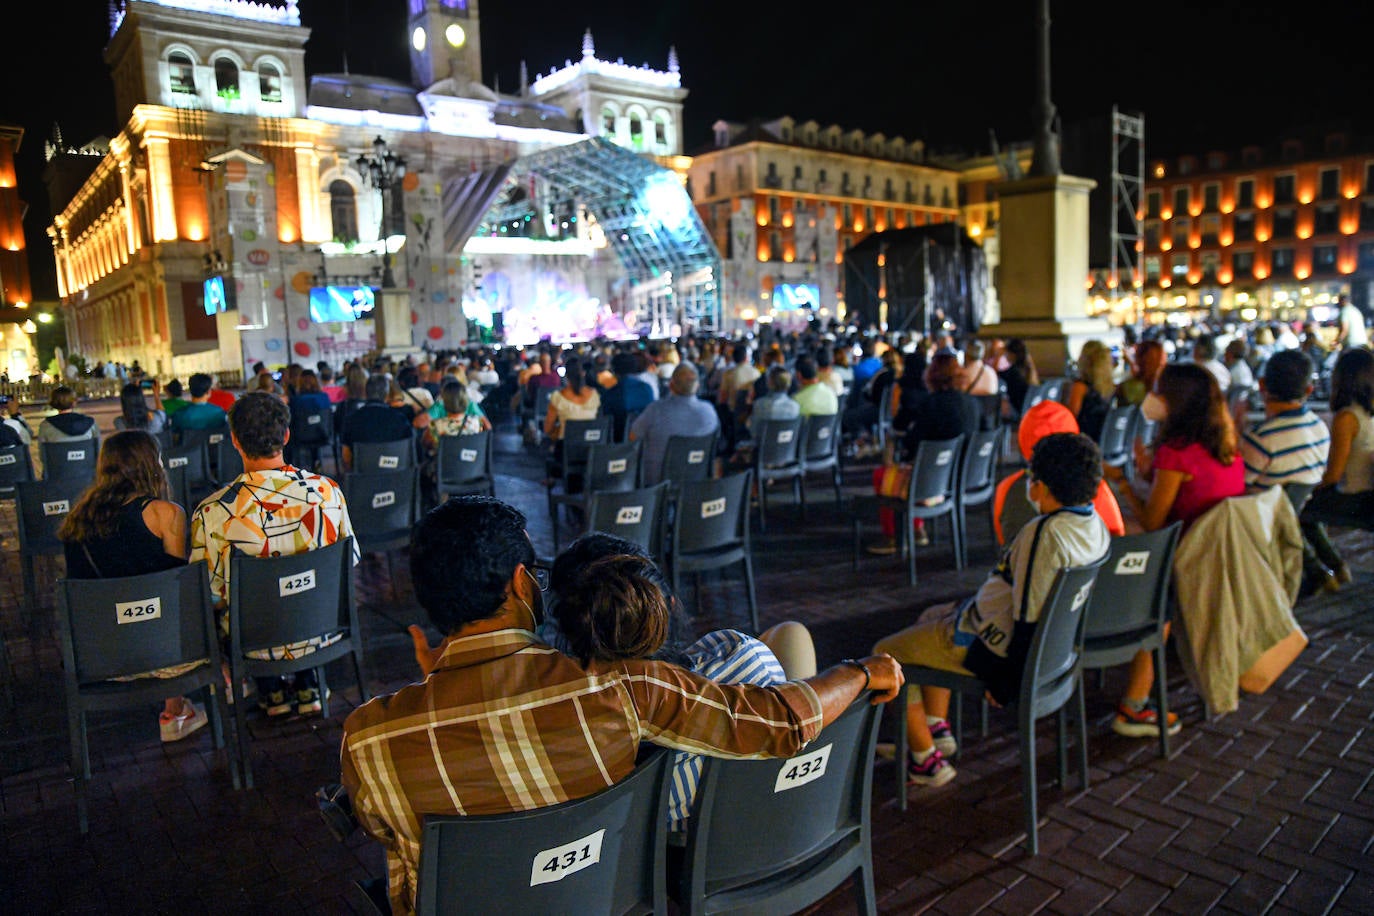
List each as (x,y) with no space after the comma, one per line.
(174,728)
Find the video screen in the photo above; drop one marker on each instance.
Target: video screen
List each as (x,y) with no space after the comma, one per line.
(789,296)
(342,303)
(218,295)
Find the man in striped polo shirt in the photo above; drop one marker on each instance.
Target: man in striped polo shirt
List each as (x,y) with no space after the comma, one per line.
(1289,445)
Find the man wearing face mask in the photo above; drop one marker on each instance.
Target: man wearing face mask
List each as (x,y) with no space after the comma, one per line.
(503,722)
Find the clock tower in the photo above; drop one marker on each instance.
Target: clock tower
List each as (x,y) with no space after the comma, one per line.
(445,43)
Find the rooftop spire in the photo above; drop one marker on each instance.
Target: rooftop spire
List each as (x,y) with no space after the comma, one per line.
(588,48)
(672,59)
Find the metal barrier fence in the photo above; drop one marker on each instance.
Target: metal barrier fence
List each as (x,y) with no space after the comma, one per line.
(30,391)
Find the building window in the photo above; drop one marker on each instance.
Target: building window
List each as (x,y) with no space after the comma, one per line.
(1152,236)
(1211,263)
(1216,162)
(1210,195)
(269,83)
(1180,227)
(1324,258)
(710,184)
(1284,223)
(636,131)
(1181,201)
(1244,227)
(1209,227)
(1366,215)
(847,216)
(774,210)
(1151,204)
(1250,155)
(343,211)
(660,131)
(775,246)
(226,79)
(1369,178)
(1292,151)
(1152,269)
(608,123)
(1327,219)
(181,73)
(1283,189)
(1243,264)
(1330,186)
(1245,193)
(868,218)
(1366,255)
(1282,261)
(1178,264)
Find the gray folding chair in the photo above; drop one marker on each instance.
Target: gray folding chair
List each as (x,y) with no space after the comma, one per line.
(215,441)
(688,458)
(383,508)
(636,515)
(610,467)
(193,464)
(711,531)
(931,494)
(777,456)
(311,434)
(16,466)
(977,481)
(40,508)
(371,457)
(70,460)
(463,465)
(820,450)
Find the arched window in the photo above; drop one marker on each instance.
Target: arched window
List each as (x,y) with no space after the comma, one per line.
(660,130)
(636,131)
(269,83)
(607,122)
(181,72)
(226,78)
(343,211)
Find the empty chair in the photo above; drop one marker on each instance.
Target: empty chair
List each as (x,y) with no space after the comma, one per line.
(605,853)
(977,481)
(688,458)
(1052,677)
(73,460)
(195,477)
(312,432)
(16,466)
(396,455)
(114,628)
(777,456)
(636,515)
(578,437)
(930,495)
(711,531)
(820,450)
(463,465)
(989,410)
(774,836)
(215,440)
(383,508)
(610,467)
(1118,430)
(40,508)
(285,600)
(226,462)
(1053,389)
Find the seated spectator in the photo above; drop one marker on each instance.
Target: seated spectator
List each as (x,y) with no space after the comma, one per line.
(67,425)
(471,564)
(627,394)
(125,524)
(200,413)
(1291,443)
(576,400)
(134,412)
(681,413)
(1091,391)
(330,385)
(13,429)
(813,397)
(988,634)
(908,392)
(775,404)
(219,397)
(1205,355)
(1147,362)
(1019,372)
(826,370)
(173,402)
(375,420)
(977,377)
(1234,359)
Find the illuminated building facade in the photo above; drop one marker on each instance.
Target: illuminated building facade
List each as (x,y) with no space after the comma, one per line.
(16,294)
(1267,231)
(230,162)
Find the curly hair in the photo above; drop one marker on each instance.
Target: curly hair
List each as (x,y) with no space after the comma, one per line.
(1197,411)
(129,467)
(260,421)
(1069,465)
(463,555)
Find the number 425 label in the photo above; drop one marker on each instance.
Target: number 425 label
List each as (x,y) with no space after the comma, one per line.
(798,771)
(301,582)
(557,863)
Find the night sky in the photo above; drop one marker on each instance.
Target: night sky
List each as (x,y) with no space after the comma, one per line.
(1204,74)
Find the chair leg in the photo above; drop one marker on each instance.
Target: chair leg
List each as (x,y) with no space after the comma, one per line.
(323,688)
(1061,745)
(81,763)
(1028,799)
(763,505)
(1082,710)
(910,540)
(855,563)
(865,896)
(799,495)
(898,707)
(1162,701)
(983,716)
(241,728)
(753,599)
(363,693)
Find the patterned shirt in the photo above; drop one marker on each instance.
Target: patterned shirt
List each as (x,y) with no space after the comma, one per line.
(277,512)
(1289,447)
(506,723)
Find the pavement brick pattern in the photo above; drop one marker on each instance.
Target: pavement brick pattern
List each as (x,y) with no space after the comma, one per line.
(1267,810)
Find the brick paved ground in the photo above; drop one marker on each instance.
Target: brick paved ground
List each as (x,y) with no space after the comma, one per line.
(1270,809)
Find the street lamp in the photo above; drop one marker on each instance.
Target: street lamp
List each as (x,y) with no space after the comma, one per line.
(382,170)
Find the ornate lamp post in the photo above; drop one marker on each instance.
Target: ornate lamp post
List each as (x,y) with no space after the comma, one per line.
(382,170)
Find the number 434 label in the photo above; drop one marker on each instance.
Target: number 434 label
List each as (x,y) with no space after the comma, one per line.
(557,863)
(798,771)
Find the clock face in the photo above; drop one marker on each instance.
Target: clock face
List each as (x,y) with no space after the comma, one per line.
(455,35)
(418,38)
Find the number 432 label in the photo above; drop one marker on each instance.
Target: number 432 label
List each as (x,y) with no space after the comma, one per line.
(798,771)
(557,863)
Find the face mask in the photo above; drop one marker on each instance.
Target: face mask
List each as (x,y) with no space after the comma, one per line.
(1153,408)
(1031,499)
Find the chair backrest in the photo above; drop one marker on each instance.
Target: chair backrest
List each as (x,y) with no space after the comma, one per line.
(277,601)
(1130,598)
(579,436)
(934,470)
(41,506)
(1145,430)
(601,854)
(689,458)
(312,427)
(72,460)
(1050,675)
(1117,429)
(16,464)
(464,459)
(777,443)
(1034,395)
(757,821)
(820,438)
(396,455)
(989,410)
(1238,395)
(1297,494)
(215,441)
(226,461)
(636,515)
(194,462)
(542,396)
(712,513)
(1052,389)
(116,627)
(613,466)
(382,507)
(978,471)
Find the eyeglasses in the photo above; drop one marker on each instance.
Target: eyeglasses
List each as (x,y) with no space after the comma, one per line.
(542,576)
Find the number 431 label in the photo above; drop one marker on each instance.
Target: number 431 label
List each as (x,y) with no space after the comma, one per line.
(557,863)
(798,771)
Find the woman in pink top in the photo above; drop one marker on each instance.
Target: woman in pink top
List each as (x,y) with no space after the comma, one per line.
(1194,466)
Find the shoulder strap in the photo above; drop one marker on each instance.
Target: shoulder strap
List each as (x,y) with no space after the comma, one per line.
(91,560)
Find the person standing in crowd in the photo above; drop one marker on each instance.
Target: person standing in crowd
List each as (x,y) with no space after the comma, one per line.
(1091,391)
(271,509)
(1351,329)
(134,412)
(67,425)
(125,524)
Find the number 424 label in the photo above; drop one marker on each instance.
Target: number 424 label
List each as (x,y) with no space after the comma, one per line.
(557,863)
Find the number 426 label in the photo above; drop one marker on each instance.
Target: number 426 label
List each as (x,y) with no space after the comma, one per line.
(138,611)
(798,771)
(557,863)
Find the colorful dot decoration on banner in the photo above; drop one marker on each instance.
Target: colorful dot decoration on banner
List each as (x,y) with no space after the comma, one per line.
(279,292)
(435,332)
(301,281)
(414,317)
(302,348)
(273,344)
(302,323)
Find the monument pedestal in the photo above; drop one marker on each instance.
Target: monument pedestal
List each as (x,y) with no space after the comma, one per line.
(1043,236)
(392,318)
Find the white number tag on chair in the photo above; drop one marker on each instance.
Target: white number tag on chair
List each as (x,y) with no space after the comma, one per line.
(615,467)
(696,456)
(713,507)
(138,611)
(943,458)
(985,450)
(313,419)
(388,461)
(467,454)
(76,455)
(180,461)
(386,498)
(798,771)
(591,435)
(784,436)
(1121,422)
(300,582)
(823,432)
(8,459)
(629,515)
(216,438)
(557,863)
(57,507)
(1081,598)
(1133,563)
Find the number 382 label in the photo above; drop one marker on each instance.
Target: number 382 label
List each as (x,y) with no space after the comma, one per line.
(557,863)
(798,771)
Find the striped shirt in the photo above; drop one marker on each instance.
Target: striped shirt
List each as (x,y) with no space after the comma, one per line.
(1289,447)
(506,723)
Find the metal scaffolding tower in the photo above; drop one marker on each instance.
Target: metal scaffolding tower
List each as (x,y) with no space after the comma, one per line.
(1128,207)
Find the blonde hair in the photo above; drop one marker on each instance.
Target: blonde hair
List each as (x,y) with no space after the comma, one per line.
(1095,368)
